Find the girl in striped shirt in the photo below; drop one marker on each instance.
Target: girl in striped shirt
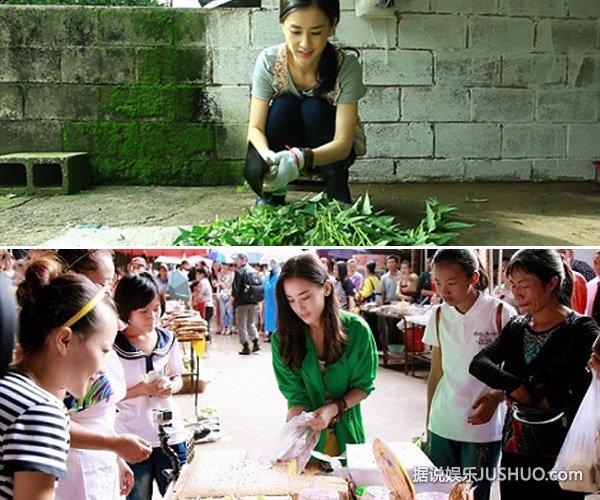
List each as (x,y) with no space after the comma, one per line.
(67,325)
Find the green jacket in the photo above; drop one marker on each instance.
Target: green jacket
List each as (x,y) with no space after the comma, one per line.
(311,389)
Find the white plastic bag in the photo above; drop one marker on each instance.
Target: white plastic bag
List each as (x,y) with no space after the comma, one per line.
(295,441)
(581,449)
(375,8)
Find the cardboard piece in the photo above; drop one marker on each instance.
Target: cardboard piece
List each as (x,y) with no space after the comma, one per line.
(364,471)
(231,473)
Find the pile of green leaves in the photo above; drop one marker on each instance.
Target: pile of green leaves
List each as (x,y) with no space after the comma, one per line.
(321,222)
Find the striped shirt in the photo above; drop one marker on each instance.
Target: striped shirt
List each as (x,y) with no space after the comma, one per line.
(34,431)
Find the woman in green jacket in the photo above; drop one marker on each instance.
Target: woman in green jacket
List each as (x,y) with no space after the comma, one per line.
(325,359)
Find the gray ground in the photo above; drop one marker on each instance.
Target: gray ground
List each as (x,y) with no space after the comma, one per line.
(503,214)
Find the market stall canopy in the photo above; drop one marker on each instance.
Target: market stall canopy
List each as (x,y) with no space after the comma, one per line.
(226,254)
(179,252)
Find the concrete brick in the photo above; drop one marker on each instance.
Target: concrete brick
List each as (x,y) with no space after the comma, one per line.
(502,105)
(584,141)
(38,27)
(360,32)
(430,170)
(534,70)
(413,6)
(567,106)
(265,29)
(399,140)
(98,65)
(584,71)
(62,102)
(498,170)
(566,35)
(229,28)
(173,65)
(11,102)
(500,34)
(191,27)
(533,141)
(467,69)
(467,140)
(229,104)
(232,141)
(380,104)
(24,135)
(80,27)
(233,66)
(132,26)
(375,171)
(397,67)
(465,6)
(563,170)
(64,173)
(29,64)
(436,104)
(43,26)
(11,30)
(269,4)
(583,8)
(544,8)
(445,32)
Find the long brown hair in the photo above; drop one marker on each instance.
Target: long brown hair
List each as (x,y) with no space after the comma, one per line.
(292,346)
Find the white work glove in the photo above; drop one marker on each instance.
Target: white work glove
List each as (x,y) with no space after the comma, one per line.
(289,163)
(268,156)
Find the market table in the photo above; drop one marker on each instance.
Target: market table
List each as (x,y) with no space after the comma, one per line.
(217,474)
(414,349)
(388,317)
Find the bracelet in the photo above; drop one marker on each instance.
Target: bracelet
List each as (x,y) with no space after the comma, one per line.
(309,160)
(342,407)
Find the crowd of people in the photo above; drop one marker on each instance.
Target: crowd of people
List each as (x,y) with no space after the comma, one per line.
(92,352)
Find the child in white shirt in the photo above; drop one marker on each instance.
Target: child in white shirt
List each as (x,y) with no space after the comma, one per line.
(152,363)
(464,415)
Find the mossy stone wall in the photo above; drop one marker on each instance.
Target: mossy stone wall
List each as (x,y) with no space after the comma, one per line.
(127,85)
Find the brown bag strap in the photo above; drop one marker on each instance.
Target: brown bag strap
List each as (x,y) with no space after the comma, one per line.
(499,316)
(438,316)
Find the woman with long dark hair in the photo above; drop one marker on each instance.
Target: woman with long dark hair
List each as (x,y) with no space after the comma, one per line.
(344,289)
(305,96)
(539,362)
(325,360)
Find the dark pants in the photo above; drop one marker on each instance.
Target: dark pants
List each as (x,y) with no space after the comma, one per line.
(309,122)
(481,458)
(152,469)
(519,488)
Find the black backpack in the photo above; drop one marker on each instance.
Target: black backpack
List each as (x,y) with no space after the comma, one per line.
(254,288)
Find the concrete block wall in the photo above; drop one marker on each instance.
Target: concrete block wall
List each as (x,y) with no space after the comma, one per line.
(457,89)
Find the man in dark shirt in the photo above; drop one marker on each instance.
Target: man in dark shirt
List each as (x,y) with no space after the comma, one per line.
(244,309)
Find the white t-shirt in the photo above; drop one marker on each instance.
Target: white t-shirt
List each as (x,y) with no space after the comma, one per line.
(592,289)
(94,474)
(462,336)
(204,293)
(136,415)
